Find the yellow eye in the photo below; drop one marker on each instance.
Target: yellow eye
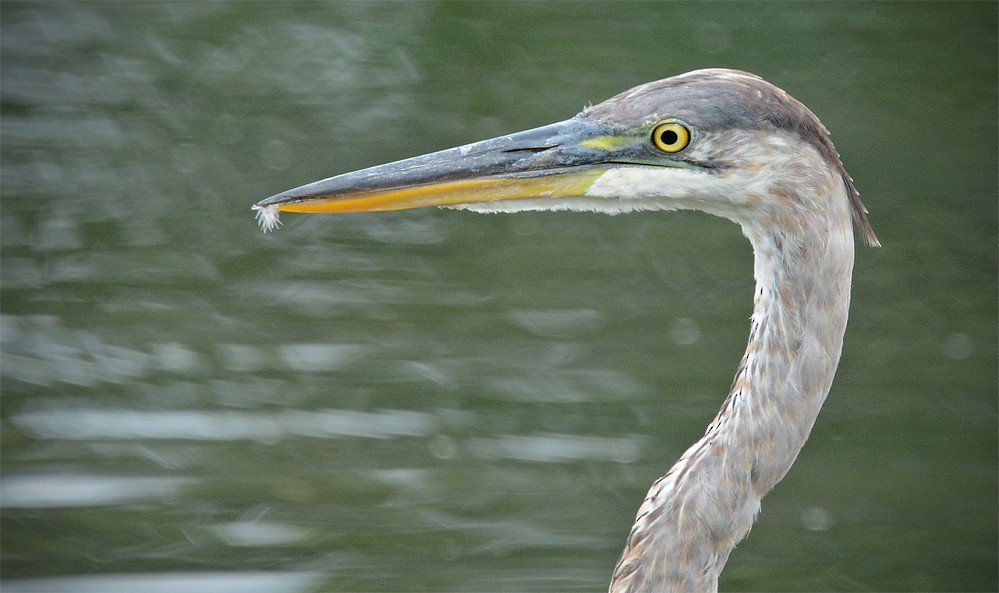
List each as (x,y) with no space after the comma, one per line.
(671,137)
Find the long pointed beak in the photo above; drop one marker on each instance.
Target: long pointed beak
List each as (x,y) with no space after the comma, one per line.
(550,161)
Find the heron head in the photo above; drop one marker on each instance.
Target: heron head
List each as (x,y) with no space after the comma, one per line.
(721,141)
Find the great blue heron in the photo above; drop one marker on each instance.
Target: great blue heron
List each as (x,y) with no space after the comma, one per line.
(721,141)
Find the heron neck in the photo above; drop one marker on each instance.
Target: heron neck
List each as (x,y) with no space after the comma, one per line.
(800,310)
(694,515)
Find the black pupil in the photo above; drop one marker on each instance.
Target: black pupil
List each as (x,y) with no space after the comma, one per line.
(669,137)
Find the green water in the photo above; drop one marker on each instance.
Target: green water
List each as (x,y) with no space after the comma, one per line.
(438,400)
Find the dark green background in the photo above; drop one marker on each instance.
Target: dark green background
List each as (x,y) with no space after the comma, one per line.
(438,400)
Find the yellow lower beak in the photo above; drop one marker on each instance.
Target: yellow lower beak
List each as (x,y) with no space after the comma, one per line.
(451,193)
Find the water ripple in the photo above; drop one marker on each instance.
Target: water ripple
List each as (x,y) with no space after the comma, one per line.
(97,424)
(189,582)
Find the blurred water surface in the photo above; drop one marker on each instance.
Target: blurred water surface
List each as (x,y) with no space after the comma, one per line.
(437,400)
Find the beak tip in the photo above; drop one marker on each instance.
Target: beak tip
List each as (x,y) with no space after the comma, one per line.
(268,217)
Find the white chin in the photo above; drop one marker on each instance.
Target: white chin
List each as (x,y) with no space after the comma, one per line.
(625,189)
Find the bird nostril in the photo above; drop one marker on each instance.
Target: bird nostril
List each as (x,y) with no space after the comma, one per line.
(540,148)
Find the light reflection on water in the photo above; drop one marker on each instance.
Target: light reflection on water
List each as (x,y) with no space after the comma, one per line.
(97,424)
(208,582)
(72,490)
(445,401)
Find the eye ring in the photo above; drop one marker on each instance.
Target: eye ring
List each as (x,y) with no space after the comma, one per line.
(671,137)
